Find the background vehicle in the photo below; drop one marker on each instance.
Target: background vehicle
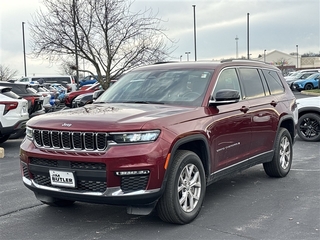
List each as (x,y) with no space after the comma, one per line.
(69,97)
(13,113)
(299,76)
(160,135)
(67,81)
(308,83)
(35,100)
(88,80)
(309,118)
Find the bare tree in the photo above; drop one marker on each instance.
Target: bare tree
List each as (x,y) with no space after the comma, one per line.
(105,33)
(281,63)
(6,73)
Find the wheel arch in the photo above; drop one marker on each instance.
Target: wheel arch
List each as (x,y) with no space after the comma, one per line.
(306,110)
(288,123)
(196,143)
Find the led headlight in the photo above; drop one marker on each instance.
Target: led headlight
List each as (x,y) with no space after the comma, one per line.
(135,137)
(29,133)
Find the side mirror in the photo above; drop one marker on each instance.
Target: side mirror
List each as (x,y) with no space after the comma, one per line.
(97,94)
(225,96)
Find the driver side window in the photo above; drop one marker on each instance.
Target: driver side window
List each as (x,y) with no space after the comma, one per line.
(228,79)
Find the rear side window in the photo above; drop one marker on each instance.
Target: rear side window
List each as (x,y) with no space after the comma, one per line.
(273,81)
(19,89)
(11,94)
(251,83)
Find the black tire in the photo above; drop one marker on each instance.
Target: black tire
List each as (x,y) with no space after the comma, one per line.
(182,201)
(309,127)
(4,138)
(282,158)
(58,202)
(18,134)
(308,86)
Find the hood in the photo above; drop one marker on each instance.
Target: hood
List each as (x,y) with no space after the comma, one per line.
(309,102)
(299,81)
(110,117)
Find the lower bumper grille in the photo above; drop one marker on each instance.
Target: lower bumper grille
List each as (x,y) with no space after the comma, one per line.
(90,176)
(82,185)
(134,183)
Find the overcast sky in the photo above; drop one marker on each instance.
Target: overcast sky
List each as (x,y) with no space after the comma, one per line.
(273,25)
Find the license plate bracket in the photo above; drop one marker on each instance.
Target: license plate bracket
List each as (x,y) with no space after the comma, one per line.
(62,178)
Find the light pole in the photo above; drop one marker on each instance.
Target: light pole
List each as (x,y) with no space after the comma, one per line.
(236,46)
(187,55)
(297,56)
(24,51)
(194,32)
(248,54)
(264,56)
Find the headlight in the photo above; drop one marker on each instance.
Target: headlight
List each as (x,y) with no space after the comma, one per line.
(135,137)
(29,133)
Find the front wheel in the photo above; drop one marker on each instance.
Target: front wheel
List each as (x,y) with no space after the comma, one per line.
(282,158)
(308,86)
(4,138)
(309,127)
(185,189)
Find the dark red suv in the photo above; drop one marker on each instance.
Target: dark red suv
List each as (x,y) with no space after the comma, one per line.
(160,135)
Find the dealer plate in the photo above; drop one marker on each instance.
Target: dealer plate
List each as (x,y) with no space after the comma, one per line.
(62,179)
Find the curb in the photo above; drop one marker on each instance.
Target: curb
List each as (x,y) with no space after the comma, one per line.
(1,152)
(310,93)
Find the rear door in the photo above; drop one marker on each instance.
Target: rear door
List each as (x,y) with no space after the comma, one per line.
(262,109)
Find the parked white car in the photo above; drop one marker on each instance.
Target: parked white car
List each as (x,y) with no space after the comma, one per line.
(308,126)
(13,113)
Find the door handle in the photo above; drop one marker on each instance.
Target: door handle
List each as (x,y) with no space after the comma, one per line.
(274,103)
(244,109)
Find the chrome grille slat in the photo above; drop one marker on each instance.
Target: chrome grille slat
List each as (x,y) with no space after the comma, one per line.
(64,140)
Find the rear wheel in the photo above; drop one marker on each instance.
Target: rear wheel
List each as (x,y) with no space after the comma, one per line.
(309,127)
(282,158)
(185,190)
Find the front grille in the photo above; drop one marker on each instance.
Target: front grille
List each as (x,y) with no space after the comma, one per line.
(63,140)
(134,183)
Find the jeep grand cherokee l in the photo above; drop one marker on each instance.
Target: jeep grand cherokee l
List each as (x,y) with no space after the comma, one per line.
(161,134)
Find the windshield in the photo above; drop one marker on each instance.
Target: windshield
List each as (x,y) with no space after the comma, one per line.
(174,87)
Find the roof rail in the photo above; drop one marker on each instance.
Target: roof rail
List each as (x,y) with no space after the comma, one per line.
(165,62)
(242,60)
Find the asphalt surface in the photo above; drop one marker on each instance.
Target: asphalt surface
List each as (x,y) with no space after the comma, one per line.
(249,205)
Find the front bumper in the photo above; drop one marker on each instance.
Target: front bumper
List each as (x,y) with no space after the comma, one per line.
(96,174)
(12,129)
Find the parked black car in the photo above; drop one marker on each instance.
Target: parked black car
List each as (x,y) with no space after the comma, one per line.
(83,99)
